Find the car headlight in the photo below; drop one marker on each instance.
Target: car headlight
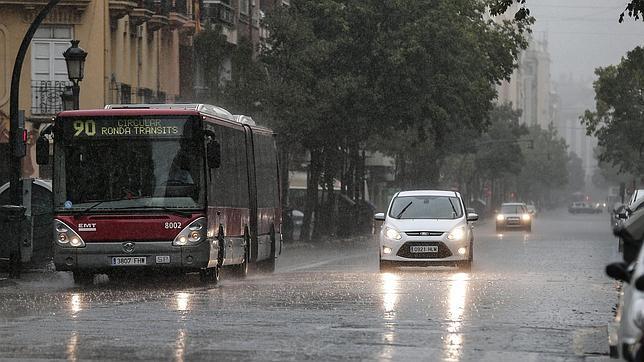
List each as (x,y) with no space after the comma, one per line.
(500,217)
(392,234)
(192,234)
(456,234)
(66,237)
(525,217)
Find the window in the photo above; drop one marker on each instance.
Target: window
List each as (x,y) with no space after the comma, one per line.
(243,7)
(229,183)
(266,171)
(48,68)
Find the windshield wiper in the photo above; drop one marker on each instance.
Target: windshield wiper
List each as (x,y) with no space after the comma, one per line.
(164,208)
(453,208)
(404,209)
(87,209)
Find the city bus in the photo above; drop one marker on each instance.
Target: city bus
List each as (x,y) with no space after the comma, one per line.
(180,187)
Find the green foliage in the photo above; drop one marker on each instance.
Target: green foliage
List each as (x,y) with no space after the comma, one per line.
(499,152)
(617,121)
(633,8)
(545,164)
(210,47)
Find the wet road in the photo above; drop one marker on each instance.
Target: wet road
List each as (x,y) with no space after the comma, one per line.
(530,297)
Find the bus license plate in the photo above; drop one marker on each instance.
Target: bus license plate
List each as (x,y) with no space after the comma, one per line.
(424,249)
(128,260)
(163,259)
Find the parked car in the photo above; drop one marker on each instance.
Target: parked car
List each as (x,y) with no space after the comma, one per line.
(621,213)
(629,321)
(513,215)
(426,227)
(583,208)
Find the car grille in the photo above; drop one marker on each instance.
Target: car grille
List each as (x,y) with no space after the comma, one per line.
(443,250)
(424,233)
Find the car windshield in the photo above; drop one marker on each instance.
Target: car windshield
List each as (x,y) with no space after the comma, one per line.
(513,209)
(426,207)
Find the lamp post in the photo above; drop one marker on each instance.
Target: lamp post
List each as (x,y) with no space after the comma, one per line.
(75,59)
(67,98)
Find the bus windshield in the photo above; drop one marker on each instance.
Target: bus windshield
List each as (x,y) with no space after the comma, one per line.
(112,173)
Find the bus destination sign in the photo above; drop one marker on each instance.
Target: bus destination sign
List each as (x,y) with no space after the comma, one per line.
(124,127)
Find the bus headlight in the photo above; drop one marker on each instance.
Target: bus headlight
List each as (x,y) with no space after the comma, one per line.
(192,234)
(65,236)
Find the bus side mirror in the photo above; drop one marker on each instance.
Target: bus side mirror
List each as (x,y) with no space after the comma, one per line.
(213,154)
(42,151)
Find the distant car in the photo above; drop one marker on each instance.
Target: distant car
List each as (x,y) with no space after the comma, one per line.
(583,208)
(426,227)
(513,215)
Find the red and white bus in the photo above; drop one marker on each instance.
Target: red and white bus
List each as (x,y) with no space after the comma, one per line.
(187,187)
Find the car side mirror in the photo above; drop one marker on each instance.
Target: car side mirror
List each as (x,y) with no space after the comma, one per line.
(42,151)
(618,271)
(213,154)
(472,217)
(379,216)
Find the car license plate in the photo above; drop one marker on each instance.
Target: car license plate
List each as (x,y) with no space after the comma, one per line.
(163,259)
(424,249)
(128,260)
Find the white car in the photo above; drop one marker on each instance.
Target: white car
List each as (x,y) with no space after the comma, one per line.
(426,227)
(626,333)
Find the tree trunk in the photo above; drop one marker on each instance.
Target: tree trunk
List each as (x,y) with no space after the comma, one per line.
(311,204)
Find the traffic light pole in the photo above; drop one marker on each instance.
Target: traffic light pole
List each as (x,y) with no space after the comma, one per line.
(15,135)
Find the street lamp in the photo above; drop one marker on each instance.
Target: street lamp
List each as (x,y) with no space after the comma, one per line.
(75,59)
(67,97)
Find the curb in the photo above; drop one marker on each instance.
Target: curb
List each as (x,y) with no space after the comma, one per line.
(5,282)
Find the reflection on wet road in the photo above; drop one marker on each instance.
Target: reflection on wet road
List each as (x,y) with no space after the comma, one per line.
(528,297)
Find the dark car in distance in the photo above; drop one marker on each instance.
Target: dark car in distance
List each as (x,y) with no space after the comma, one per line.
(583,208)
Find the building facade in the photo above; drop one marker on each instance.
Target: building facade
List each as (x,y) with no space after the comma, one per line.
(530,88)
(139,51)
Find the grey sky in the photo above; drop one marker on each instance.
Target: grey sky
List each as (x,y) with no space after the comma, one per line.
(584,34)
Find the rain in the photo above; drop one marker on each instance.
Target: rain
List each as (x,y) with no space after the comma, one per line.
(333,180)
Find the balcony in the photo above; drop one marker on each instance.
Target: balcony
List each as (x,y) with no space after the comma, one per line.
(40,3)
(45,97)
(218,12)
(141,13)
(120,8)
(157,22)
(178,16)
(66,12)
(188,28)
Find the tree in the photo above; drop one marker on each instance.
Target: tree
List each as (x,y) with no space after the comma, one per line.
(633,8)
(617,121)
(419,75)
(499,156)
(545,167)
(576,174)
